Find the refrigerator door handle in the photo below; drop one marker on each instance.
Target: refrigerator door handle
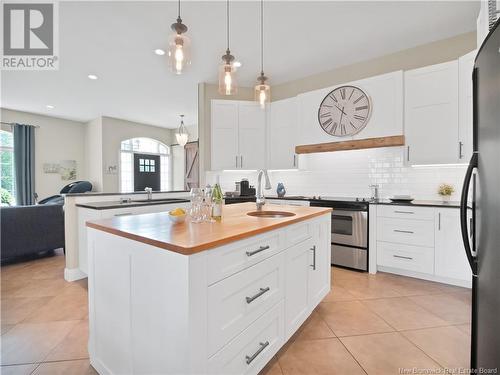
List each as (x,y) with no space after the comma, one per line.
(463,213)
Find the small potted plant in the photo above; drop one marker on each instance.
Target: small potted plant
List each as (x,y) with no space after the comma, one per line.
(445,191)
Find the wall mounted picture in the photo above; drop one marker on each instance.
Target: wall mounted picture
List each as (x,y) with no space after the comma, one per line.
(51,167)
(67,169)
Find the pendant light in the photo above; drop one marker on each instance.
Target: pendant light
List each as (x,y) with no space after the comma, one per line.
(227,71)
(262,89)
(182,135)
(179,48)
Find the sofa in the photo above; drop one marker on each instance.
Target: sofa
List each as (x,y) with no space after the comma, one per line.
(28,230)
(72,188)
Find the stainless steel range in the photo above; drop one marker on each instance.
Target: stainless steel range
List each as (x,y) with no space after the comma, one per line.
(349,230)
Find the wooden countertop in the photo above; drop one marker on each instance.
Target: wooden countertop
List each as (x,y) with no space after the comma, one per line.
(188,238)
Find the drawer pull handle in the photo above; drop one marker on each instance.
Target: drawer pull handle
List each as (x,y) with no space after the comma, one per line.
(262,248)
(404,212)
(261,292)
(402,257)
(250,358)
(403,231)
(313,249)
(124,214)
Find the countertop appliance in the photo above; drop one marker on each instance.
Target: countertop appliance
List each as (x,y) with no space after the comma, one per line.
(349,230)
(482,238)
(246,189)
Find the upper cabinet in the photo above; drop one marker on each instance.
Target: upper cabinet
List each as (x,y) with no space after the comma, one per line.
(283,134)
(431,114)
(238,135)
(465,68)
(385,98)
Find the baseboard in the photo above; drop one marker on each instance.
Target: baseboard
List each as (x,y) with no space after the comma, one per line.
(424,276)
(73,274)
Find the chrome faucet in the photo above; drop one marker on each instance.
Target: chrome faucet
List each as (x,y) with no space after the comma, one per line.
(260,201)
(149,191)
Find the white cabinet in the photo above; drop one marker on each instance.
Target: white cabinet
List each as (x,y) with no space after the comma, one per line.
(431,114)
(319,271)
(450,259)
(287,202)
(465,67)
(238,135)
(283,134)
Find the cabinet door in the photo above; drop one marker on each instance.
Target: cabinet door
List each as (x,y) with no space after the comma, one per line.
(296,290)
(320,264)
(449,254)
(252,136)
(224,134)
(465,67)
(283,134)
(431,114)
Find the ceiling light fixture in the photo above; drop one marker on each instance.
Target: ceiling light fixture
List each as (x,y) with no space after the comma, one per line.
(48,106)
(159,52)
(227,70)
(179,50)
(182,134)
(93,77)
(237,64)
(262,89)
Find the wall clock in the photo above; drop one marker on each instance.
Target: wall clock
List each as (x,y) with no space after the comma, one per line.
(345,111)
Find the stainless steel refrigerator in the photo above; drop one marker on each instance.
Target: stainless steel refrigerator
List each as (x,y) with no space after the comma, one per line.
(480,206)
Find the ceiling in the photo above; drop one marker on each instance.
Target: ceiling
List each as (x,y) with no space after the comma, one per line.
(116,40)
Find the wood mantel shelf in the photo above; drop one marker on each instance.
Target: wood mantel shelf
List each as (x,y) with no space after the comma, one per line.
(392,141)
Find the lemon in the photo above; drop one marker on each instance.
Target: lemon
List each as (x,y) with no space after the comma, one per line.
(177,212)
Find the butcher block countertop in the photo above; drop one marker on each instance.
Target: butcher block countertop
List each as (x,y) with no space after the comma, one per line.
(189,238)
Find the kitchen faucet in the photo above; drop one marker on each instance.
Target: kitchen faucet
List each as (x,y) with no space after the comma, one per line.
(149,191)
(260,201)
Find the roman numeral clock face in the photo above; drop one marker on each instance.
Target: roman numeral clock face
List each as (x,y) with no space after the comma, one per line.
(345,111)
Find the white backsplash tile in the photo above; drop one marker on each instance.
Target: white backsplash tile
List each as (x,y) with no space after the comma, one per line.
(349,174)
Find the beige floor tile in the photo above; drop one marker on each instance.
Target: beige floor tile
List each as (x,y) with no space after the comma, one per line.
(65,306)
(80,367)
(351,318)
(18,369)
(10,286)
(42,288)
(73,346)
(15,310)
(387,353)
(448,346)
(318,357)
(272,368)
(408,286)
(465,328)
(314,328)
(402,313)
(455,308)
(31,342)
(368,288)
(5,328)
(338,293)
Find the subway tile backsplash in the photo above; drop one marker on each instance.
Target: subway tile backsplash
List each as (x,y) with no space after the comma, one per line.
(349,174)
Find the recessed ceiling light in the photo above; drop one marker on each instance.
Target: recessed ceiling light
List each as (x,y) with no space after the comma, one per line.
(48,106)
(159,52)
(92,77)
(237,64)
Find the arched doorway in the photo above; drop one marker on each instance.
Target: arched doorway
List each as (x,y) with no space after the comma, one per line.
(144,161)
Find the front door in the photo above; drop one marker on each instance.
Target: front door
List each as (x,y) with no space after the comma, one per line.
(146,172)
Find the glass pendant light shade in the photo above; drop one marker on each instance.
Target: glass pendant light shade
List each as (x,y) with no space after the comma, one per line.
(262,92)
(227,78)
(182,135)
(179,52)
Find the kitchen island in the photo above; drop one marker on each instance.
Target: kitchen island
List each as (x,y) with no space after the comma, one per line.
(209,298)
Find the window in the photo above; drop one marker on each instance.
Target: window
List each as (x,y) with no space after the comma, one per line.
(143,146)
(8,192)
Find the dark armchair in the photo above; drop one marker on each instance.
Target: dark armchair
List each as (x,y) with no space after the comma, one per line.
(72,188)
(27,230)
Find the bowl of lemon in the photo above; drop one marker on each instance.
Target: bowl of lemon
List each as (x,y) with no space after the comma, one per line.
(177,215)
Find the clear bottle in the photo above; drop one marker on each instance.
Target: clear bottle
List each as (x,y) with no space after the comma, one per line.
(217,201)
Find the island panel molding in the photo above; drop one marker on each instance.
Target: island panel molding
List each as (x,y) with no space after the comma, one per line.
(392,141)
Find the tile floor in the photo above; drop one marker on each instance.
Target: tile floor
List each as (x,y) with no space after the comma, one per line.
(368,324)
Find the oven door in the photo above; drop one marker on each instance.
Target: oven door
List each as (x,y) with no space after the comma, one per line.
(350,228)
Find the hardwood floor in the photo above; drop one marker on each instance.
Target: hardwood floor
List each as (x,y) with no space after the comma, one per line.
(368,324)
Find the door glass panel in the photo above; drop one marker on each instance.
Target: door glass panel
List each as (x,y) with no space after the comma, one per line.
(342,224)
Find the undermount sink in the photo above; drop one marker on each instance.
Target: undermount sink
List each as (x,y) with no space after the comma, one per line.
(270,214)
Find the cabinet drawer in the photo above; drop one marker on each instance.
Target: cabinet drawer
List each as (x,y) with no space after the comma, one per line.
(406,212)
(233,258)
(253,348)
(411,232)
(297,233)
(235,302)
(407,257)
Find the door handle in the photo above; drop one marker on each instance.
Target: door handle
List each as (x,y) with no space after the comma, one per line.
(463,213)
(294,160)
(408,153)
(313,249)
(403,231)
(250,358)
(124,214)
(241,161)
(404,212)
(255,296)
(261,248)
(236,161)
(460,146)
(402,257)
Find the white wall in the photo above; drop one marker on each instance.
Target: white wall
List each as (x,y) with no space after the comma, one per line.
(178,167)
(55,140)
(93,153)
(349,173)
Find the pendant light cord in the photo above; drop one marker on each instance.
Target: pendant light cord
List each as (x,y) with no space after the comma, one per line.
(262,37)
(227,18)
(179,9)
